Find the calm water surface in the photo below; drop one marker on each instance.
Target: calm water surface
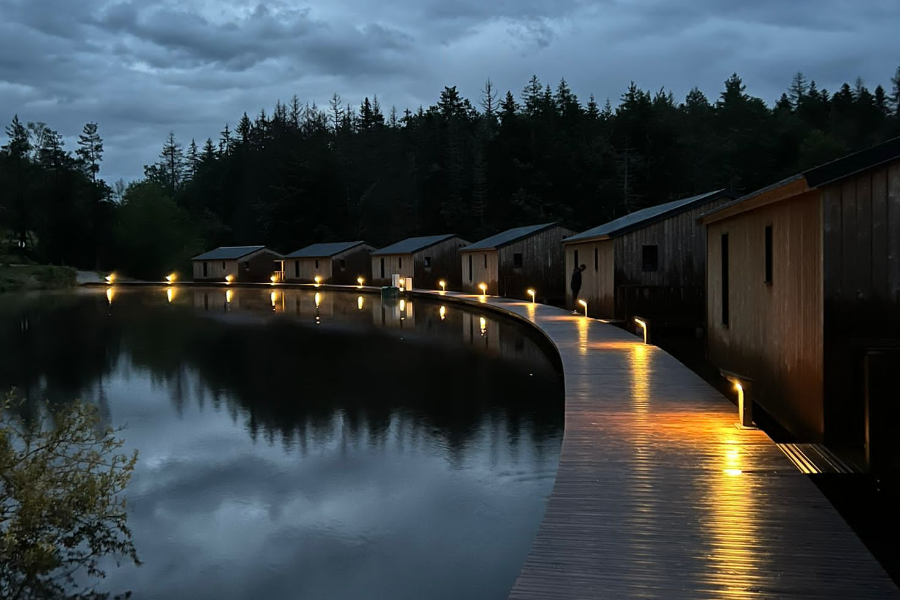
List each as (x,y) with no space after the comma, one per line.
(301,447)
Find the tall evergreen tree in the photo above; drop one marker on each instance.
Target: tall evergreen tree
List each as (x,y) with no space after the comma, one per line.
(90,149)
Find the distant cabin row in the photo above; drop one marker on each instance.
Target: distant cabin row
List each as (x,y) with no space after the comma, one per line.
(797,285)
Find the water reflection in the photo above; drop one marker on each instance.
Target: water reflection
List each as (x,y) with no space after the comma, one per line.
(375,455)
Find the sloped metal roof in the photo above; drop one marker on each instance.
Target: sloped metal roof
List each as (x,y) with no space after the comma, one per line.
(644,217)
(323,250)
(228,252)
(414,244)
(506,237)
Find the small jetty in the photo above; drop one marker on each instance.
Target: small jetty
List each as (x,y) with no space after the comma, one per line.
(659,495)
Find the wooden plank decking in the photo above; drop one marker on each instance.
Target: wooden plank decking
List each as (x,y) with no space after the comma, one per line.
(658,495)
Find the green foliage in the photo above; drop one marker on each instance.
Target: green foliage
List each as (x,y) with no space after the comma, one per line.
(62,507)
(36,277)
(153,234)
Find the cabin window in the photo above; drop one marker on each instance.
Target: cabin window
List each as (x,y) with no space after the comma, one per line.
(427,262)
(399,262)
(382,268)
(650,258)
(517,260)
(596,259)
(769,254)
(576,259)
(206,269)
(343,264)
(317,264)
(297,269)
(725,314)
(246,265)
(470,268)
(485,261)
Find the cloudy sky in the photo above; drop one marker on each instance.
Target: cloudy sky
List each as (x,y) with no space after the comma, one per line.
(143,68)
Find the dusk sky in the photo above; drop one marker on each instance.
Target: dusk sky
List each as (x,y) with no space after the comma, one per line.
(141,69)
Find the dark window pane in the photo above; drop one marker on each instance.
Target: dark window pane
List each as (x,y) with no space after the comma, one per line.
(650,258)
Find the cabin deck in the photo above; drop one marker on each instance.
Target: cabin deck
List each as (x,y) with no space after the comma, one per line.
(658,495)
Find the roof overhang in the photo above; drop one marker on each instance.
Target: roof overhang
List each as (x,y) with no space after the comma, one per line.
(783,190)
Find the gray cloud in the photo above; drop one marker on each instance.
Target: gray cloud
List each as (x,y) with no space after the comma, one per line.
(143,68)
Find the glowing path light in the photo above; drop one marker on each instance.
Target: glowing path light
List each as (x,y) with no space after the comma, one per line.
(483,288)
(110,278)
(229,279)
(360,281)
(273,278)
(171,278)
(745,405)
(643,325)
(318,280)
(531,293)
(443,285)
(584,304)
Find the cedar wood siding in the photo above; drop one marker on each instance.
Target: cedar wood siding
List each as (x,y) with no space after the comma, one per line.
(542,268)
(862,291)
(597,279)
(774,333)
(673,295)
(444,256)
(262,265)
(357,264)
(484,270)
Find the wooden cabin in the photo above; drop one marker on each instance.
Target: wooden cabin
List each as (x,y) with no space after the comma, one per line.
(241,263)
(427,260)
(804,298)
(650,263)
(334,262)
(518,259)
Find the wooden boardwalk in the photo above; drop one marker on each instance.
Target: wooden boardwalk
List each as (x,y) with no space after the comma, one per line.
(658,495)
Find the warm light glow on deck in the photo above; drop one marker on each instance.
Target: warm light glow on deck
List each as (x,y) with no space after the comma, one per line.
(443,312)
(483,323)
(584,304)
(359,303)
(170,294)
(229,295)
(274,297)
(402,304)
(532,293)
(318,299)
(109,295)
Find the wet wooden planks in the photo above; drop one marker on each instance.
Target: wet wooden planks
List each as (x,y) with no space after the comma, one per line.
(658,495)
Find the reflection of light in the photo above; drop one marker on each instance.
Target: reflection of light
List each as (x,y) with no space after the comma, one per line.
(318,299)
(170,294)
(229,279)
(532,293)
(229,294)
(584,304)
(110,278)
(643,325)
(109,295)
(733,472)
(483,323)
(402,305)
(359,303)
(317,279)
(443,285)
(360,280)
(582,325)
(443,312)
(274,296)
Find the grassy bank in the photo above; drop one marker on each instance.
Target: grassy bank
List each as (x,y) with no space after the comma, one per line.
(35,277)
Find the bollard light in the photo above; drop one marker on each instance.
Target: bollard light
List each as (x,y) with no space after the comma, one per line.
(584,304)
(643,325)
(318,280)
(443,285)
(745,405)
(483,288)
(273,278)
(531,293)
(110,278)
(443,312)
(360,280)
(170,278)
(229,279)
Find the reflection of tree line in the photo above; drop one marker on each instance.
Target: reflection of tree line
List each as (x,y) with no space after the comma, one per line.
(285,375)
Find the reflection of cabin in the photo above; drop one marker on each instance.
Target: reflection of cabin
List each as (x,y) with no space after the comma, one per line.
(243,263)
(804,291)
(334,262)
(427,260)
(650,263)
(515,260)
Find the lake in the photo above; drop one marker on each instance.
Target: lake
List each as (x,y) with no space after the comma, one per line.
(296,444)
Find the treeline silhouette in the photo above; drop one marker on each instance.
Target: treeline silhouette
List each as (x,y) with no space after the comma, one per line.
(303,174)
